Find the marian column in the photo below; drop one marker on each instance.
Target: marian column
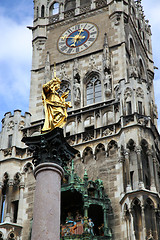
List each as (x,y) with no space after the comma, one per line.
(50,153)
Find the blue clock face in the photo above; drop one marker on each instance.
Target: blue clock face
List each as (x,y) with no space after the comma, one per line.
(77,38)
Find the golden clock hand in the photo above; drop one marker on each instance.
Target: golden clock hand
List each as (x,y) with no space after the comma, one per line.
(66,37)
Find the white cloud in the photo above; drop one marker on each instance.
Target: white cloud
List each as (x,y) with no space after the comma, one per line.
(15,63)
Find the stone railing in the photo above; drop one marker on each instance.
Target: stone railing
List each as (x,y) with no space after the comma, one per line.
(54,18)
(69,14)
(101,3)
(85,8)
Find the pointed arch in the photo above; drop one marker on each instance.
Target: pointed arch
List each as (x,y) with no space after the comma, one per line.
(54,8)
(150,218)
(112,148)
(93,88)
(87,154)
(100,151)
(28,167)
(137,218)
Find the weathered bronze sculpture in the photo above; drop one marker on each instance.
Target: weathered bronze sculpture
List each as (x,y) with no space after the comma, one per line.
(55,105)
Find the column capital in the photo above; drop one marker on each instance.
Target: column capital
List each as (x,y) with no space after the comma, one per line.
(138,149)
(10,182)
(50,147)
(22,185)
(149,152)
(126,152)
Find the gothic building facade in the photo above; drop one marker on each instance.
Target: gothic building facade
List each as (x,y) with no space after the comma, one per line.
(103,55)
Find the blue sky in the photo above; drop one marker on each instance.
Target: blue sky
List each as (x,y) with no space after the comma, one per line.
(16,52)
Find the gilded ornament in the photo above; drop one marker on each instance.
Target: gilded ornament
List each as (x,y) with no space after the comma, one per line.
(55,105)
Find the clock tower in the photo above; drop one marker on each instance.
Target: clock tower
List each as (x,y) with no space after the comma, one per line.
(103,55)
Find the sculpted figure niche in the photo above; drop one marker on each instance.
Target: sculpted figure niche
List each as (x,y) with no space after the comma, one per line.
(55,105)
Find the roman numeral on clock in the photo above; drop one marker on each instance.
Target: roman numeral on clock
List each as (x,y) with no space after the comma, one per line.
(63,48)
(91,39)
(69,50)
(92,33)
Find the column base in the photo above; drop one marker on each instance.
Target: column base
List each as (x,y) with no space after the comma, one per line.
(128,188)
(8,218)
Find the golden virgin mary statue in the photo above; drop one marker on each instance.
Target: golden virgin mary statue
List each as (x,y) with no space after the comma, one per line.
(55,105)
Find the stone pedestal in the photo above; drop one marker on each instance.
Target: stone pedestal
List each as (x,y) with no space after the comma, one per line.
(50,153)
(46,213)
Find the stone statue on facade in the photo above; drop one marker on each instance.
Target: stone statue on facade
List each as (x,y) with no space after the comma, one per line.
(55,105)
(76,92)
(107,84)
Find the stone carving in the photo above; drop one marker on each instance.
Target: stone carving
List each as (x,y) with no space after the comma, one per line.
(155,111)
(7,152)
(106,56)
(47,73)
(5,179)
(76,92)
(89,135)
(133,69)
(97,113)
(63,74)
(79,120)
(107,84)
(17,178)
(92,63)
(117,92)
(11,126)
(69,14)
(143,121)
(127,93)
(54,18)
(101,3)
(21,125)
(51,147)
(85,9)
(107,132)
(139,92)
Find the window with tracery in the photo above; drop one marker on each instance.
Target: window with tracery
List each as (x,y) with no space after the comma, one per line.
(93,90)
(55,8)
(65,86)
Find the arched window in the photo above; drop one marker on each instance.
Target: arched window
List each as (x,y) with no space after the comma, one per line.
(65,86)
(55,8)
(42,11)
(70,4)
(150,219)
(137,219)
(93,90)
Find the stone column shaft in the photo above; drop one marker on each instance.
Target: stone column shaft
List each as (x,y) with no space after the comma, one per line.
(8,212)
(105,223)
(1,197)
(149,153)
(20,205)
(139,165)
(46,212)
(127,163)
(143,223)
(156,174)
